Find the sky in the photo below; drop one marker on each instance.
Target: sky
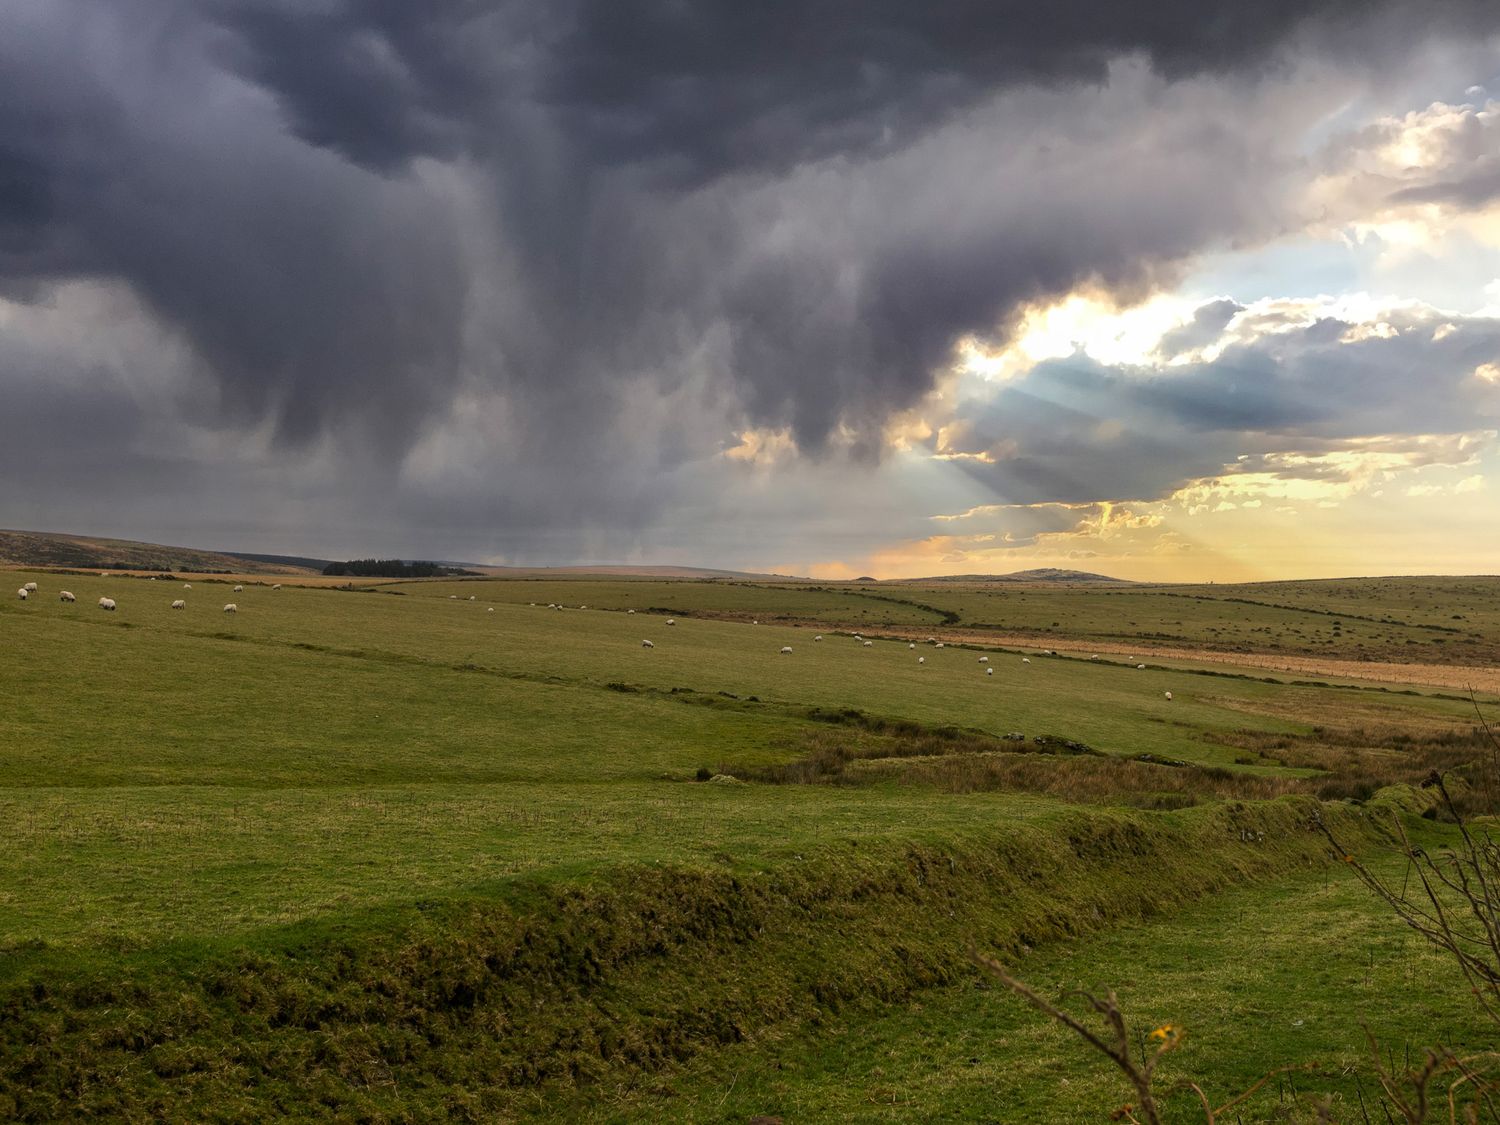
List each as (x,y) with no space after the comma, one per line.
(1178,291)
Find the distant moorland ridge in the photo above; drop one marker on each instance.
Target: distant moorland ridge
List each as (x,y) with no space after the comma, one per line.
(91,552)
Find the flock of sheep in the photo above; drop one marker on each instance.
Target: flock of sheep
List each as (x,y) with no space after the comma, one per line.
(108,604)
(30,588)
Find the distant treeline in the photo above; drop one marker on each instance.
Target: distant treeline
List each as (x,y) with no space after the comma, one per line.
(391,568)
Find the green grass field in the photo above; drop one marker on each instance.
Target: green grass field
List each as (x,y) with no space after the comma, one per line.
(181,787)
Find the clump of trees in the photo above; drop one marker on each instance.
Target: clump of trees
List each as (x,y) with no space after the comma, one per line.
(392,568)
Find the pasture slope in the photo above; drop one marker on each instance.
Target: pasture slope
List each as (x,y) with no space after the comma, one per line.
(393,854)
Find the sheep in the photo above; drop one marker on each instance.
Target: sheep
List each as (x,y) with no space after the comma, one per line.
(107,603)
(277,586)
(984,660)
(187,585)
(911,646)
(786,650)
(819,637)
(23,593)
(989,671)
(1025,660)
(671,621)
(231,608)
(1140,667)
(647,644)
(630,611)
(491,609)
(238,589)
(66,596)
(179,604)
(1094,657)
(921,660)
(453,597)
(753,622)
(939,644)
(869,644)
(30,587)
(1168,695)
(471,597)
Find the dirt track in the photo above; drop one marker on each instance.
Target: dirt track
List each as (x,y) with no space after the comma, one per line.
(1459,677)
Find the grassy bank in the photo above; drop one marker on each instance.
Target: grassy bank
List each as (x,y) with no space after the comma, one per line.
(464,1007)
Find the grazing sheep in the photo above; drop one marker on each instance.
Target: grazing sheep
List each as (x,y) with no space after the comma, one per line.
(23,593)
(939,644)
(179,604)
(471,597)
(671,621)
(277,586)
(630,611)
(107,603)
(30,587)
(231,608)
(1169,696)
(921,660)
(989,671)
(187,585)
(66,596)
(491,609)
(984,660)
(1025,660)
(1140,667)
(453,597)
(580,607)
(1094,657)
(786,649)
(869,644)
(647,644)
(237,589)
(911,646)
(819,637)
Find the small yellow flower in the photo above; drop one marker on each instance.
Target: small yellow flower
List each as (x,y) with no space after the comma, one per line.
(1165,1031)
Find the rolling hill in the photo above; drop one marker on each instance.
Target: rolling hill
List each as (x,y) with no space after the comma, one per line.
(92,552)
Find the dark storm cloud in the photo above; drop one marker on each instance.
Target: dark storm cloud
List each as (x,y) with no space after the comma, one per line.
(1075,431)
(614,232)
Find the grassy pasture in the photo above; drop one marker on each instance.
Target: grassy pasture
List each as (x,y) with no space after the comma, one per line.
(175,785)
(321,748)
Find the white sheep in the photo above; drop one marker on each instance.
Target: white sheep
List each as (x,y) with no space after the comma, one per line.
(107,603)
(30,587)
(66,596)
(1169,696)
(911,646)
(23,593)
(491,609)
(869,644)
(939,644)
(989,671)
(231,608)
(755,622)
(179,604)
(580,607)
(984,660)
(630,611)
(277,586)
(1140,667)
(671,621)
(237,589)
(187,585)
(786,649)
(819,637)
(471,597)
(1094,657)
(647,644)
(921,660)
(1025,660)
